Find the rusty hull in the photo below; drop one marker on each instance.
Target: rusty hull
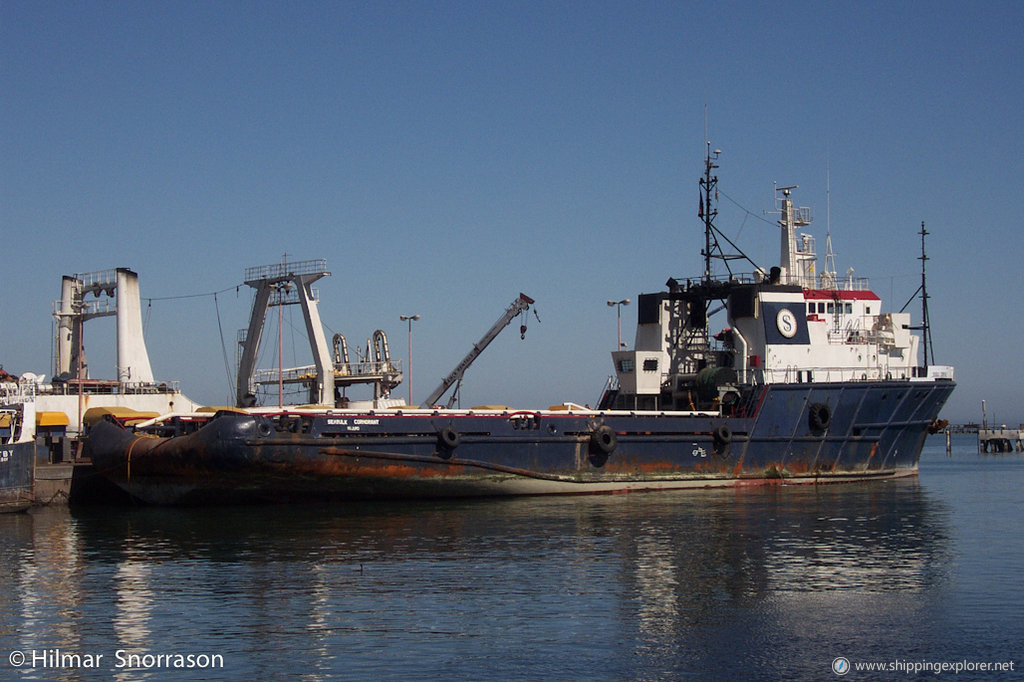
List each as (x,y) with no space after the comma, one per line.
(876,431)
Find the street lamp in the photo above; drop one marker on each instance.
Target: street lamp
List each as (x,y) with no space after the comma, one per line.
(410,319)
(618,315)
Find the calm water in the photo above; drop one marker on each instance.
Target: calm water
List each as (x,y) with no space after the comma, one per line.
(714,584)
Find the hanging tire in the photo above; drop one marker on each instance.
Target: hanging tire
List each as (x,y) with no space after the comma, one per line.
(448,438)
(819,416)
(722,435)
(603,439)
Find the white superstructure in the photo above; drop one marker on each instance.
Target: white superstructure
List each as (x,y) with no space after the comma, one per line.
(792,325)
(73,390)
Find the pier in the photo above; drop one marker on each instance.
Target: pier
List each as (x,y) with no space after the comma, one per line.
(1001,438)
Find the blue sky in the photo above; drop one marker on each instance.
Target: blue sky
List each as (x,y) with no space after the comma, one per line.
(444,156)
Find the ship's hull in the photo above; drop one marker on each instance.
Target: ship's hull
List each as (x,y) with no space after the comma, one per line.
(793,433)
(16,476)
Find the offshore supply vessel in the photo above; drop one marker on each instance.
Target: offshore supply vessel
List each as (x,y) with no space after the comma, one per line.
(42,421)
(810,382)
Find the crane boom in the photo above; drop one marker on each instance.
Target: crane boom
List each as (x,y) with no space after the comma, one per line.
(519,305)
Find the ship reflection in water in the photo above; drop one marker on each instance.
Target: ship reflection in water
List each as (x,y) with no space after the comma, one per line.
(630,586)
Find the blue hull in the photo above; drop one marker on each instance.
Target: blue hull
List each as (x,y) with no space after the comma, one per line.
(16,476)
(790,433)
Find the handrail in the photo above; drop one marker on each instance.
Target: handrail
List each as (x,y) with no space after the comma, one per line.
(286,269)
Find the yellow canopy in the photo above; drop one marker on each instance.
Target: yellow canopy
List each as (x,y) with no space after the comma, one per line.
(51,419)
(125,414)
(220,408)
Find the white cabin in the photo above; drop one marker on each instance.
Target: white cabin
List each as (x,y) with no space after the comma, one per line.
(794,325)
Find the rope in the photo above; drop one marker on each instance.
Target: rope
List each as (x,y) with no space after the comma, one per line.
(175,298)
(223,346)
(220,327)
(742,208)
(128,461)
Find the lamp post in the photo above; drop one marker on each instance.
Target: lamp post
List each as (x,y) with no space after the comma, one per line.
(410,319)
(618,315)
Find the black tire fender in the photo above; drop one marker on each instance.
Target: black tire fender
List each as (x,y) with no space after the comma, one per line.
(722,434)
(819,416)
(448,438)
(603,439)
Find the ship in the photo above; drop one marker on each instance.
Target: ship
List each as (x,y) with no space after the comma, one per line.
(45,419)
(17,452)
(808,381)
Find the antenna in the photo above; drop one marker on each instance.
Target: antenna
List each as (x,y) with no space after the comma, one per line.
(828,191)
(828,274)
(828,196)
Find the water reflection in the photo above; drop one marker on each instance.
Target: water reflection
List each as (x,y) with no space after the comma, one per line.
(760,575)
(664,581)
(39,601)
(133,604)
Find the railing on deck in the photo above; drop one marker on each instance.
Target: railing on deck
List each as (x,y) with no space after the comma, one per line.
(286,269)
(794,374)
(309,372)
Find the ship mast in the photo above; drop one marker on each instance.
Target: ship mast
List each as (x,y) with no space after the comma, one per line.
(929,352)
(925,326)
(708,211)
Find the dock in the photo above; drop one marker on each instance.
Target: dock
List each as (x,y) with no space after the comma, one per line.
(1001,440)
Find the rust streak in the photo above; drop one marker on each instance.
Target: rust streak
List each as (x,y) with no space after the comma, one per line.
(461,463)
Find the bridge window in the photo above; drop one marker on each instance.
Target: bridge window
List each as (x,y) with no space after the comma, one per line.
(651,365)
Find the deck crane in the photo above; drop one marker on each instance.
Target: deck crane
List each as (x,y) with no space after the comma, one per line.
(520,305)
